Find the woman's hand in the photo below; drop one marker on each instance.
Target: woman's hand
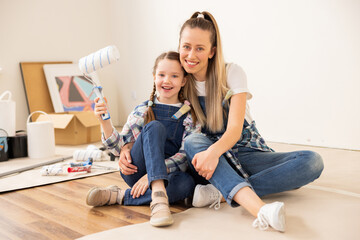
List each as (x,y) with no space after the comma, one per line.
(125,165)
(205,163)
(140,187)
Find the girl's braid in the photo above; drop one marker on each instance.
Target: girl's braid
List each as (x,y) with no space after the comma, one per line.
(150,113)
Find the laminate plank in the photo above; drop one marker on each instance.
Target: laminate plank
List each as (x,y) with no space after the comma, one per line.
(17,213)
(16,230)
(55,230)
(59,211)
(50,211)
(77,211)
(137,214)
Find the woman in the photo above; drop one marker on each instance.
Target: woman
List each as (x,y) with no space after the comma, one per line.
(218,93)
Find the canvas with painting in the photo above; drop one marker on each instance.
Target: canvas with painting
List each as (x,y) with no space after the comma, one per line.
(69,89)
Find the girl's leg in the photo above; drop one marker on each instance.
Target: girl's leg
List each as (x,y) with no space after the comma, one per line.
(148,155)
(181,185)
(153,138)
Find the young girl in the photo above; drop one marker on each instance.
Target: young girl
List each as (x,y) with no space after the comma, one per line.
(218,93)
(155,131)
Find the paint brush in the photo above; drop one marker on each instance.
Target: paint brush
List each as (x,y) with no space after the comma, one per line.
(184,109)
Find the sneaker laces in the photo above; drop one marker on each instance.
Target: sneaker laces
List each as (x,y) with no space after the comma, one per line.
(261,222)
(216,197)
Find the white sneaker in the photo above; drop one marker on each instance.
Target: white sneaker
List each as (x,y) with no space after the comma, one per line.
(272,214)
(205,195)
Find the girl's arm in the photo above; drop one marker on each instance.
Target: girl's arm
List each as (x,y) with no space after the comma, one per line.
(106,125)
(178,162)
(110,137)
(121,144)
(206,162)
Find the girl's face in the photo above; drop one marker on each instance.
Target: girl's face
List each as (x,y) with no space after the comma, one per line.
(195,51)
(169,78)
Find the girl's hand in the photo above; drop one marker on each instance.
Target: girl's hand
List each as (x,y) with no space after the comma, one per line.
(205,163)
(140,187)
(125,165)
(100,108)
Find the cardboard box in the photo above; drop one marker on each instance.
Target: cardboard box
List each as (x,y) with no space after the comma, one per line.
(73,128)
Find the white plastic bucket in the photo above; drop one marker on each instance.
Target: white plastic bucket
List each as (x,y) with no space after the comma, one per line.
(41,138)
(7,113)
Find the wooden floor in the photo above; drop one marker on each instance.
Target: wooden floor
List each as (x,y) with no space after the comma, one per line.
(59,211)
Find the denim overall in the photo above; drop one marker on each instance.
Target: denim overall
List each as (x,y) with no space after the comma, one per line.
(159,140)
(268,172)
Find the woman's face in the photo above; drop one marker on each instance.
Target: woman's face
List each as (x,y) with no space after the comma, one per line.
(169,78)
(195,51)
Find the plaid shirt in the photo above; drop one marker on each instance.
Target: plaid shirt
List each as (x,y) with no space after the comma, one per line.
(132,130)
(250,138)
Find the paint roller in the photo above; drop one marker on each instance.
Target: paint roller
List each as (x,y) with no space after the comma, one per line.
(96,61)
(90,152)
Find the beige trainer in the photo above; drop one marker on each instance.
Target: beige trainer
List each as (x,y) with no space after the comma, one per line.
(98,196)
(160,212)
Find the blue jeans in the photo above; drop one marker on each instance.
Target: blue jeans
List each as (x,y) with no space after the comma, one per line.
(148,154)
(270,172)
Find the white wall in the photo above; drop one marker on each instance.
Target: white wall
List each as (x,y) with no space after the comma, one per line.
(49,30)
(302,58)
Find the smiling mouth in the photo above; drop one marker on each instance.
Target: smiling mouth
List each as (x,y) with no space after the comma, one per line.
(167,88)
(191,64)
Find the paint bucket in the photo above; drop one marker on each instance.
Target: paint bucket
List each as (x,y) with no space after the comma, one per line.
(7,116)
(4,146)
(18,145)
(41,137)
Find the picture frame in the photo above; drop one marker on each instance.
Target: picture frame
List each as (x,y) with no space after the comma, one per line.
(69,90)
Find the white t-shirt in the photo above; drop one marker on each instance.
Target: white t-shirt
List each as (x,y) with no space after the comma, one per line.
(237,82)
(174,104)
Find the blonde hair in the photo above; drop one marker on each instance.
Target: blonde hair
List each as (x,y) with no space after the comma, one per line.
(175,57)
(215,85)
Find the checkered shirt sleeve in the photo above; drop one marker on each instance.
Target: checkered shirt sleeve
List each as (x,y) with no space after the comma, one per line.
(130,131)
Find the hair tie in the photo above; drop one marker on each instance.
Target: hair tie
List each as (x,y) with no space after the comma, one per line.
(200,15)
(187,102)
(150,103)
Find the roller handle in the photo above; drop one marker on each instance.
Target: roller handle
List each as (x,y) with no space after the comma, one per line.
(97,90)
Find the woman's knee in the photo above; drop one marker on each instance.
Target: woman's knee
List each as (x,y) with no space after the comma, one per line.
(195,141)
(314,162)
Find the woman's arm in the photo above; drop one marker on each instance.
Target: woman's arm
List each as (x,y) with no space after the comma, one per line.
(206,162)
(235,124)
(125,160)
